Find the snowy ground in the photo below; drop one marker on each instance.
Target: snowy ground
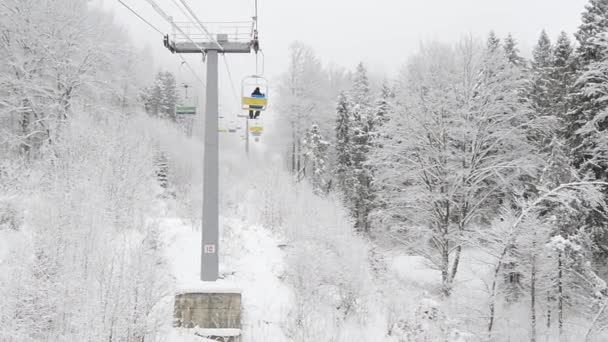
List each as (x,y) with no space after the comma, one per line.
(250,261)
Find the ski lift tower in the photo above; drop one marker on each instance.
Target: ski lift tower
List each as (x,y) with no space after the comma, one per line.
(211,308)
(212,39)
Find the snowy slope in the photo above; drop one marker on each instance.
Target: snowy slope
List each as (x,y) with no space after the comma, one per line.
(251,262)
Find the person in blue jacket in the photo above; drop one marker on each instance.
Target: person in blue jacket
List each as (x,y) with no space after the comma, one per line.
(256,93)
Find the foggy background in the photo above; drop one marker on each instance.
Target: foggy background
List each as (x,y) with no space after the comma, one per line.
(380,33)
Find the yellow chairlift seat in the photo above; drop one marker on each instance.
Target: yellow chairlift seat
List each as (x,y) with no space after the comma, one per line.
(256,131)
(253,102)
(255,128)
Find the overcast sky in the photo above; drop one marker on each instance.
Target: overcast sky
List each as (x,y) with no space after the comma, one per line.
(381,33)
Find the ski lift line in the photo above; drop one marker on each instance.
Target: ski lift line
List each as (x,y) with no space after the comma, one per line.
(256,14)
(263,62)
(257,63)
(241,29)
(243,22)
(162,34)
(175,27)
(186,15)
(192,70)
(236,97)
(201,24)
(141,18)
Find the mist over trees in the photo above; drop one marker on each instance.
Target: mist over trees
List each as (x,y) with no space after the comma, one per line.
(463,198)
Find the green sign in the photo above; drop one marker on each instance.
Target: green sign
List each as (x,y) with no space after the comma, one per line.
(185,110)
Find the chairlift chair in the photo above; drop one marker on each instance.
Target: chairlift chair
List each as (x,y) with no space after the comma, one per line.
(252,102)
(256,128)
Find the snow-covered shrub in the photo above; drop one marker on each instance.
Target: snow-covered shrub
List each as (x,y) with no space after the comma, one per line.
(184,160)
(11,216)
(88,260)
(327,264)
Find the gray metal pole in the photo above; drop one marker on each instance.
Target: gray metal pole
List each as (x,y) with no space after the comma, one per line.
(247,136)
(210,229)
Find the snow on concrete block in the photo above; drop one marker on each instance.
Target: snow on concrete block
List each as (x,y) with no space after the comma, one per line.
(217,332)
(207,287)
(203,335)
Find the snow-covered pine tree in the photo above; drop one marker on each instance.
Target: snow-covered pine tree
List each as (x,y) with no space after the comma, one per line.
(588,98)
(493,42)
(150,98)
(315,148)
(558,276)
(380,114)
(168,100)
(361,93)
(588,107)
(160,98)
(563,77)
(360,173)
(587,119)
(548,277)
(544,267)
(343,144)
(539,94)
(378,135)
(512,51)
(552,272)
(542,54)
(594,25)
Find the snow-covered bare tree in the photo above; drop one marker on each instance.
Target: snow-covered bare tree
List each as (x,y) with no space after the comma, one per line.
(303,100)
(87,264)
(555,262)
(53,58)
(455,147)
